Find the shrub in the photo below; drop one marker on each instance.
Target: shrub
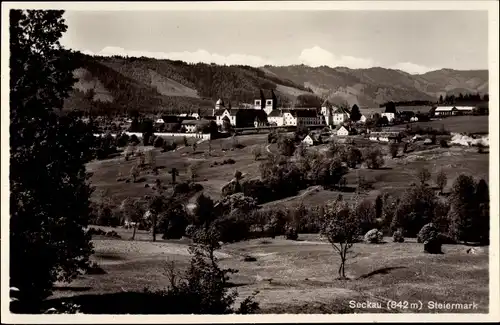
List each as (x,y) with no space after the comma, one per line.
(232,229)
(426,232)
(373,158)
(443,143)
(394,148)
(189,231)
(374,236)
(134,140)
(122,140)
(158,142)
(432,244)
(398,237)
(248,258)
(291,233)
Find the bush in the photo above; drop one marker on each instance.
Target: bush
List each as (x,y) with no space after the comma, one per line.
(443,143)
(426,232)
(432,244)
(134,140)
(158,142)
(122,140)
(398,237)
(248,258)
(190,229)
(373,158)
(232,227)
(291,233)
(374,236)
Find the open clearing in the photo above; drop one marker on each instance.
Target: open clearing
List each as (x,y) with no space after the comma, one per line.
(300,276)
(459,124)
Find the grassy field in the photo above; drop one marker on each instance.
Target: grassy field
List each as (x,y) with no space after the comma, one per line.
(393,178)
(300,276)
(460,124)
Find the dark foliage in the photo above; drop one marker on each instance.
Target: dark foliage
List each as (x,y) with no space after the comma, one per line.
(49,190)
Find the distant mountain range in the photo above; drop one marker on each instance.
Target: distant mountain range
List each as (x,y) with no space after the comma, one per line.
(117,84)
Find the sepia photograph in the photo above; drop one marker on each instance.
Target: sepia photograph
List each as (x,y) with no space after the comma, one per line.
(250,159)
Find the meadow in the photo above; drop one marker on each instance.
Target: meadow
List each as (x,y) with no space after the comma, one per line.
(297,276)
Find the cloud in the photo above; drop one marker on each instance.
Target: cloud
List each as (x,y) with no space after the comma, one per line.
(412,68)
(315,57)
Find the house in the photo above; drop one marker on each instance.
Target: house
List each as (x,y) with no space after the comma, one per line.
(192,125)
(465,110)
(389,136)
(276,118)
(311,140)
(390,116)
(414,119)
(302,117)
(340,115)
(445,111)
(362,119)
(343,131)
(160,121)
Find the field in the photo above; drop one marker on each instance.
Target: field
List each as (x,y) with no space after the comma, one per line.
(460,124)
(300,276)
(394,177)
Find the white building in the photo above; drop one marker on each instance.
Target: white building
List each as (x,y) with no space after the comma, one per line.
(340,115)
(226,113)
(445,111)
(414,119)
(390,116)
(276,118)
(465,109)
(342,131)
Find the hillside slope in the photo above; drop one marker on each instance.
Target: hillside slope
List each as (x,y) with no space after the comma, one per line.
(374,86)
(117,84)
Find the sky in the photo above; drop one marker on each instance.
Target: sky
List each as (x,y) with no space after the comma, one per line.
(412,41)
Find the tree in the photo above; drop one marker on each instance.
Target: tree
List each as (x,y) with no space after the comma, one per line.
(194,147)
(133,210)
(186,144)
(423,175)
(416,208)
(204,212)
(394,149)
(441,180)
(342,229)
(257,152)
(373,158)
(286,146)
(174,172)
(134,173)
(390,107)
(483,201)
(48,151)
(193,171)
(355,113)
(463,208)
